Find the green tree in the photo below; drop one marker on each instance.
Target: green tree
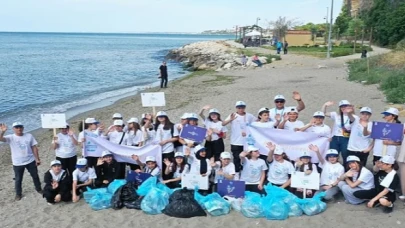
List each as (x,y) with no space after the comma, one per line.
(342,21)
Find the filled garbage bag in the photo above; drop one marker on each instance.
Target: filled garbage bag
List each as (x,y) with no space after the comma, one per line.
(294,208)
(125,195)
(164,188)
(116,202)
(146,186)
(236,203)
(199,198)
(252,205)
(101,201)
(216,205)
(274,208)
(115,185)
(87,195)
(183,205)
(134,205)
(312,206)
(155,201)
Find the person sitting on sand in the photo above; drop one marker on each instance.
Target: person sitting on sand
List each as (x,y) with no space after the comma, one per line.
(107,170)
(64,144)
(199,163)
(304,164)
(177,168)
(256,60)
(91,126)
(290,121)
(280,108)
(83,177)
(280,167)
(150,166)
(224,168)
(254,170)
(58,184)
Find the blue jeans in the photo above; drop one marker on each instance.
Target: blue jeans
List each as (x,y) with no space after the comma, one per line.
(339,143)
(258,62)
(19,173)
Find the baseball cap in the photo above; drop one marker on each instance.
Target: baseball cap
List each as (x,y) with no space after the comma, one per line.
(240,103)
(366,109)
(67,125)
(91,121)
(387,159)
(117,115)
(319,114)
(133,120)
(178,154)
(198,148)
(150,159)
(161,113)
(81,163)
(279,150)
(391,111)
(213,110)
(293,110)
(305,154)
(106,153)
(55,162)
(226,155)
(252,148)
(279,97)
(263,110)
(344,102)
(185,116)
(18,124)
(192,116)
(118,122)
(353,159)
(332,152)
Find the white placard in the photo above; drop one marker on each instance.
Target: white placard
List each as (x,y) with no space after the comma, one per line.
(153,99)
(190,181)
(300,180)
(53,120)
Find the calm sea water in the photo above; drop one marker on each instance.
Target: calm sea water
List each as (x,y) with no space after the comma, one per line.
(55,73)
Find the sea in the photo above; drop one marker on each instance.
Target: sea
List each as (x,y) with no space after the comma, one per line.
(76,72)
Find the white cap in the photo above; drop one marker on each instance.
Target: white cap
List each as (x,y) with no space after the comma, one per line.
(179,154)
(91,121)
(198,148)
(117,115)
(293,109)
(279,150)
(192,116)
(67,124)
(118,122)
(387,159)
(143,115)
(392,111)
(279,97)
(353,158)
(133,120)
(252,148)
(344,102)
(263,110)
(106,153)
(16,124)
(55,162)
(319,113)
(213,110)
(366,109)
(81,163)
(185,116)
(332,152)
(161,113)
(305,154)
(240,103)
(226,155)
(150,159)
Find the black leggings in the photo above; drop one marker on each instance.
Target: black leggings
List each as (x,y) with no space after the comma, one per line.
(215,148)
(68,164)
(254,188)
(371,193)
(236,150)
(50,195)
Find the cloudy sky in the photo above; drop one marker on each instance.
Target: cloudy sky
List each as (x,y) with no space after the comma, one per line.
(153,15)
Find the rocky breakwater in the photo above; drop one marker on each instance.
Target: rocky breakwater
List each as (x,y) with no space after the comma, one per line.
(211,55)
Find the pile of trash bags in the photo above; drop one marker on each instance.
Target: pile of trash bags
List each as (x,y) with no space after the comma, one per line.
(100,198)
(183,205)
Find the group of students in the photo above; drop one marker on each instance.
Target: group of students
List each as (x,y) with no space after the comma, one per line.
(349,138)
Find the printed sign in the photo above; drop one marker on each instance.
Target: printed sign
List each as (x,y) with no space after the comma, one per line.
(194,133)
(53,120)
(231,188)
(300,180)
(137,177)
(387,131)
(153,99)
(190,181)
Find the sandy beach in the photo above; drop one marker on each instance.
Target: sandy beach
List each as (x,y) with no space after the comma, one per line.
(257,88)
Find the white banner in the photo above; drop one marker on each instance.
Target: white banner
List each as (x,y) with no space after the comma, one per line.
(123,153)
(153,99)
(293,143)
(300,180)
(53,120)
(190,181)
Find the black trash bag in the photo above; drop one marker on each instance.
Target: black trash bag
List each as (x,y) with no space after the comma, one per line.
(183,205)
(135,204)
(128,192)
(116,202)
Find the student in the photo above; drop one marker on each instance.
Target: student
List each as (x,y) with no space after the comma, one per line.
(183,121)
(390,116)
(331,171)
(305,165)
(107,170)
(254,170)
(118,116)
(199,163)
(317,126)
(192,120)
(177,168)
(280,167)
(58,184)
(342,126)
(401,165)
(91,127)
(386,182)
(280,108)
(239,121)
(360,143)
(64,144)
(263,116)
(215,141)
(134,132)
(24,155)
(83,177)
(149,133)
(357,178)
(224,169)
(150,166)
(290,121)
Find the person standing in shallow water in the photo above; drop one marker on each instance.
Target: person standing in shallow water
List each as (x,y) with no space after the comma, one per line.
(163,75)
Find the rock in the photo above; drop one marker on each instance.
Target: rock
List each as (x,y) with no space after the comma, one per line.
(219,70)
(227,66)
(203,67)
(273,59)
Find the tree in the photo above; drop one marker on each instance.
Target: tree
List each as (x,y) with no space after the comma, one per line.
(356,26)
(282,25)
(342,21)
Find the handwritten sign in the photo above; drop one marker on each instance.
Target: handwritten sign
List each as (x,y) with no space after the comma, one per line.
(153,99)
(133,176)
(53,120)
(300,180)
(190,181)
(194,133)
(387,131)
(231,188)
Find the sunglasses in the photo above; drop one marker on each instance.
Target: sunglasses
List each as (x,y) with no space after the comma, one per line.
(279,101)
(241,107)
(344,106)
(18,127)
(56,165)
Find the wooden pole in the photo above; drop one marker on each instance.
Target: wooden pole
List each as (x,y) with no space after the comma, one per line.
(355,41)
(54,132)
(84,138)
(154,111)
(371,37)
(368,66)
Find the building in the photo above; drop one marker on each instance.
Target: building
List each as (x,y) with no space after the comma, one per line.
(298,38)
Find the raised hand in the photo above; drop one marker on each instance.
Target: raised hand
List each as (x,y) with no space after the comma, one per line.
(285,117)
(233,116)
(350,109)
(296,96)
(271,146)
(329,103)
(187,151)
(167,162)
(3,127)
(101,127)
(55,139)
(349,173)
(100,161)
(54,184)
(135,157)
(313,148)
(206,107)
(71,132)
(278,117)
(313,121)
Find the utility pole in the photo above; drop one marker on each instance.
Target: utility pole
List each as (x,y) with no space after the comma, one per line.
(326,25)
(330,32)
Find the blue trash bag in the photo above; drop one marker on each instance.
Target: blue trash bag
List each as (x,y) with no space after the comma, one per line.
(314,205)
(146,186)
(164,188)
(155,201)
(252,205)
(216,205)
(274,208)
(294,208)
(199,198)
(87,195)
(101,201)
(115,185)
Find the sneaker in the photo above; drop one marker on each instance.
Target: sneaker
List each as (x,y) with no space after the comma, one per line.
(402,197)
(40,192)
(17,198)
(388,210)
(50,204)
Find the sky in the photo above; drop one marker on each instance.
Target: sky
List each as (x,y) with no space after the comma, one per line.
(122,16)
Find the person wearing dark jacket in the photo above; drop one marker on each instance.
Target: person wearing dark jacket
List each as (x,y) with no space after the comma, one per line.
(58,184)
(107,169)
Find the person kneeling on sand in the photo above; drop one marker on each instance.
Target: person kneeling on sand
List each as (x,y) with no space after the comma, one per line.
(57,184)
(83,177)
(150,166)
(107,169)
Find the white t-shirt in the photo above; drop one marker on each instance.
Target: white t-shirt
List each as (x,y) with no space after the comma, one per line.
(330,172)
(162,134)
(357,141)
(337,127)
(154,172)
(195,165)
(135,139)
(115,137)
(269,124)
(84,176)
(321,131)
(149,136)
(177,174)
(290,126)
(367,179)
(66,147)
(279,171)
(238,126)
(89,144)
(306,167)
(378,149)
(215,125)
(21,151)
(229,170)
(252,170)
(275,111)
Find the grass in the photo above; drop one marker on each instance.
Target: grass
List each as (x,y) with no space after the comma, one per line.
(196,73)
(337,51)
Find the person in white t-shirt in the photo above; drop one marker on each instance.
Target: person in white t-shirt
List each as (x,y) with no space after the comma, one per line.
(305,165)
(254,170)
(83,177)
(281,109)
(178,146)
(224,169)
(134,132)
(118,116)
(24,155)
(192,120)
(360,143)
(176,170)
(264,120)
(239,121)
(91,126)
(280,167)
(357,178)
(64,144)
(147,127)
(290,121)
(332,170)
(199,163)
(317,126)
(150,166)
